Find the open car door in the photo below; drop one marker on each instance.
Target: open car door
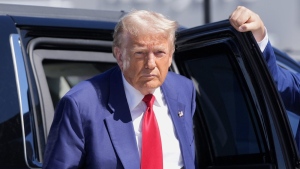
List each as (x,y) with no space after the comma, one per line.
(240,121)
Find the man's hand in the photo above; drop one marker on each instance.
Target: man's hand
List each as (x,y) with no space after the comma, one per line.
(243,20)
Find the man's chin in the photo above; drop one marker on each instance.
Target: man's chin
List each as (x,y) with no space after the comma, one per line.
(149,88)
(153,84)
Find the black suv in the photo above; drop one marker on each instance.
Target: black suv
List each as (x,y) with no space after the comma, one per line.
(240,121)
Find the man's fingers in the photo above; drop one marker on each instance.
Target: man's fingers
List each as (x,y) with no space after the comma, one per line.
(240,16)
(244,20)
(248,27)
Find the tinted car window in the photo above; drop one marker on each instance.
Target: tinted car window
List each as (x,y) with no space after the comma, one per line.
(229,114)
(228,111)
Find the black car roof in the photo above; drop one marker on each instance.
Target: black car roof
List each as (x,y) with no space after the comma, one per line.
(57,12)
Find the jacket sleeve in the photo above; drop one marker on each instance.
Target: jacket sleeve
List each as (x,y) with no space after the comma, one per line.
(65,145)
(288,83)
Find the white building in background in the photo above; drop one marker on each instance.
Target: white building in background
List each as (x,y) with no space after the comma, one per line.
(282,18)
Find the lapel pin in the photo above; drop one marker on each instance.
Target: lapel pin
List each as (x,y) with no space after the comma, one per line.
(180,114)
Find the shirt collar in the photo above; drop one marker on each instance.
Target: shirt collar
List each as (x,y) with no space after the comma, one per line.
(134,97)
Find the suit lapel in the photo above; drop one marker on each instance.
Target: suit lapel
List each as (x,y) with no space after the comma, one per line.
(119,124)
(175,108)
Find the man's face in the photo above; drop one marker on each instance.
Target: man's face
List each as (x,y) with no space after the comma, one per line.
(144,60)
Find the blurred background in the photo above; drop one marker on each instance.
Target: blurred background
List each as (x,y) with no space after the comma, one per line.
(282,18)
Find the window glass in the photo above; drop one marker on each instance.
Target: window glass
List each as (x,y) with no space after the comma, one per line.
(227,109)
(62,75)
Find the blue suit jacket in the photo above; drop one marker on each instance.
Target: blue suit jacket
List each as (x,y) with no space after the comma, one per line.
(288,84)
(93,129)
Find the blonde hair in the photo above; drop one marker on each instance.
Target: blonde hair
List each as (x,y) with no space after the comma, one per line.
(138,22)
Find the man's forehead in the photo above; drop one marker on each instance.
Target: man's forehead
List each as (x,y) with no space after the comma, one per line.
(147,38)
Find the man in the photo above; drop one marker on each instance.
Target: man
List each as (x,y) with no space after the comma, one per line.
(98,123)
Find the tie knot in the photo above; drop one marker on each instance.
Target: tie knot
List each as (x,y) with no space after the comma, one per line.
(149,100)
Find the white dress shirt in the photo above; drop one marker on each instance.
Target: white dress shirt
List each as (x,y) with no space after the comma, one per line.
(263,43)
(170,145)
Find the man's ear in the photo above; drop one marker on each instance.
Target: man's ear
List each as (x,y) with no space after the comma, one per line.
(118,56)
(170,60)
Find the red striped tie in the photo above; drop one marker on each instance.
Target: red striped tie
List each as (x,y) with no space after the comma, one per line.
(151,155)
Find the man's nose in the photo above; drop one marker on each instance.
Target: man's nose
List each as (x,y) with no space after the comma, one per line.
(150,61)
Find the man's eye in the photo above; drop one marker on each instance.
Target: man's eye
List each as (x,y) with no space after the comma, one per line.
(139,54)
(160,53)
